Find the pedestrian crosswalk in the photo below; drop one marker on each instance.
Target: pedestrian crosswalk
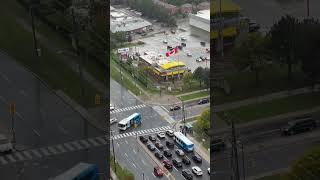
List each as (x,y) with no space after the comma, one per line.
(141,132)
(128,108)
(72,146)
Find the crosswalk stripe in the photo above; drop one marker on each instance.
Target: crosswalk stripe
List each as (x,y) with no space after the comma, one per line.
(36,153)
(67,145)
(101,140)
(156,129)
(52,150)
(85,143)
(77,145)
(45,151)
(121,135)
(10,157)
(61,148)
(130,133)
(27,154)
(93,142)
(19,155)
(3,161)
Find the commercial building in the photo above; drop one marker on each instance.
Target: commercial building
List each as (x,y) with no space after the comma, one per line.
(200,24)
(172,9)
(162,68)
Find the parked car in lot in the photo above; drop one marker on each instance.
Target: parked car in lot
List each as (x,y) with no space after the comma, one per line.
(169,133)
(152,138)
(165,41)
(217,144)
(197,158)
(177,162)
(143,139)
(158,155)
(169,144)
(186,160)
(167,164)
(203,101)
(167,153)
(157,171)
(189,54)
(183,38)
(186,173)
(175,108)
(179,152)
(197,171)
(151,147)
(161,135)
(159,145)
(299,125)
(199,59)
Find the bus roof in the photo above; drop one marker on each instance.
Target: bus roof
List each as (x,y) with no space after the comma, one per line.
(74,171)
(126,120)
(182,137)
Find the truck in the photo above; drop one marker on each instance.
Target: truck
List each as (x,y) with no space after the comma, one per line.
(133,120)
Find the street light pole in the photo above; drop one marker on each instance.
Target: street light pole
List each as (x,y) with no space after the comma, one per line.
(114,155)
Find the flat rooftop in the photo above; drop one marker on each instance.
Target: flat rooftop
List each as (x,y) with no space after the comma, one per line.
(205,14)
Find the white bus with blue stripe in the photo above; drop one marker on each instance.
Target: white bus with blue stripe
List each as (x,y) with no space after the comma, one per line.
(133,120)
(183,141)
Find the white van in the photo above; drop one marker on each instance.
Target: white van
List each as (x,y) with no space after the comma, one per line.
(5,144)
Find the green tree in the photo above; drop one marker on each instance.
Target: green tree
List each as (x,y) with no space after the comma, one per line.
(198,74)
(307,167)
(206,77)
(187,78)
(203,121)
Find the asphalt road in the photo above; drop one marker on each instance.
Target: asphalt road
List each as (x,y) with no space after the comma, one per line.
(190,111)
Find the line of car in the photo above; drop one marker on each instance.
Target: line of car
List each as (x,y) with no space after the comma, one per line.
(155,145)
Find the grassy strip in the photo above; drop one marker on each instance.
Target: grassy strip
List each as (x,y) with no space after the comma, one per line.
(194,95)
(121,172)
(273,108)
(19,44)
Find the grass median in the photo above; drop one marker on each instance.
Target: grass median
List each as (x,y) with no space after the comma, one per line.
(272,108)
(18,43)
(195,95)
(121,172)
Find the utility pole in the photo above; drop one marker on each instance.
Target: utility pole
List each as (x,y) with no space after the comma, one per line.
(114,155)
(235,152)
(184,119)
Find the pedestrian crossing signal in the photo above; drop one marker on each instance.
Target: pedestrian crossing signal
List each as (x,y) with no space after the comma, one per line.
(97,99)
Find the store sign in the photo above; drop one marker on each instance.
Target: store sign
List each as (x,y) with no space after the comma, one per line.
(123,50)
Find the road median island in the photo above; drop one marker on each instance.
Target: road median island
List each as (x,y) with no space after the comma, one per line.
(194,96)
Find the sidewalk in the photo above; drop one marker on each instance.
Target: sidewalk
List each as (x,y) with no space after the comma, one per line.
(202,90)
(113,175)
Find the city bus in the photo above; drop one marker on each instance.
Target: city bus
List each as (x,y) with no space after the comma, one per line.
(133,120)
(81,171)
(183,141)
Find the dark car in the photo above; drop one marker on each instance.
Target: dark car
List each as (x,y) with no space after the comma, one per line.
(175,108)
(197,158)
(169,133)
(158,155)
(177,162)
(186,161)
(167,164)
(151,147)
(203,101)
(143,139)
(186,173)
(299,125)
(169,47)
(152,138)
(167,153)
(169,144)
(253,26)
(217,144)
(159,145)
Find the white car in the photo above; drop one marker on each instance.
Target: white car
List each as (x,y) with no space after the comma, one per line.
(183,38)
(199,59)
(113,120)
(165,41)
(161,135)
(208,170)
(196,170)
(112,107)
(179,152)
(189,53)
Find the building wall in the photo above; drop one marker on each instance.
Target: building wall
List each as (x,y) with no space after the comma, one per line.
(199,22)
(202,34)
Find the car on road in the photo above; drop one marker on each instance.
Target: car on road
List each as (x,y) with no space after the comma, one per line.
(159,145)
(199,59)
(186,160)
(113,120)
(167,164)
(161,135)
(143,139)
(186,173)
(167,153)
(170,133)
(189,54)
(158,171)
(165,41)
(169,144)
(175,108)
(299,125)
(173,31)
(208,170)
(152,138)
(151,147)
(197,171)
(158,155)
(177,162)
(112,107)
(197,158)
(179,152)
(183,38)
(203,101)
(217,144)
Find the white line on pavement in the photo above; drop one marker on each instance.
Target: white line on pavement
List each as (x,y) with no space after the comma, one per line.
(134,165)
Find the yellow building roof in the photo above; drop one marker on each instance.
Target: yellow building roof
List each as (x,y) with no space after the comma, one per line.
(172,64)
(226,32)
(227,6)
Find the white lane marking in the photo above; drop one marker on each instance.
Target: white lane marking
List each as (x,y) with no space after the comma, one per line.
(19,155)
(153,175)
(134,151)
(134,165)
(143,162)
(27,153)
(68,146)
(175,168)
(126,142)
(45,151)
(61,148)
(125,154)
(52,150)
(165,108)
(76,144)
(84,142)
(93,142)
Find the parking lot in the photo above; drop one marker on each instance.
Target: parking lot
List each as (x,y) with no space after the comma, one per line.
(176,171)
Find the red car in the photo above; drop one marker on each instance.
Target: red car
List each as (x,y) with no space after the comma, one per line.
(158,171)
(167,164)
